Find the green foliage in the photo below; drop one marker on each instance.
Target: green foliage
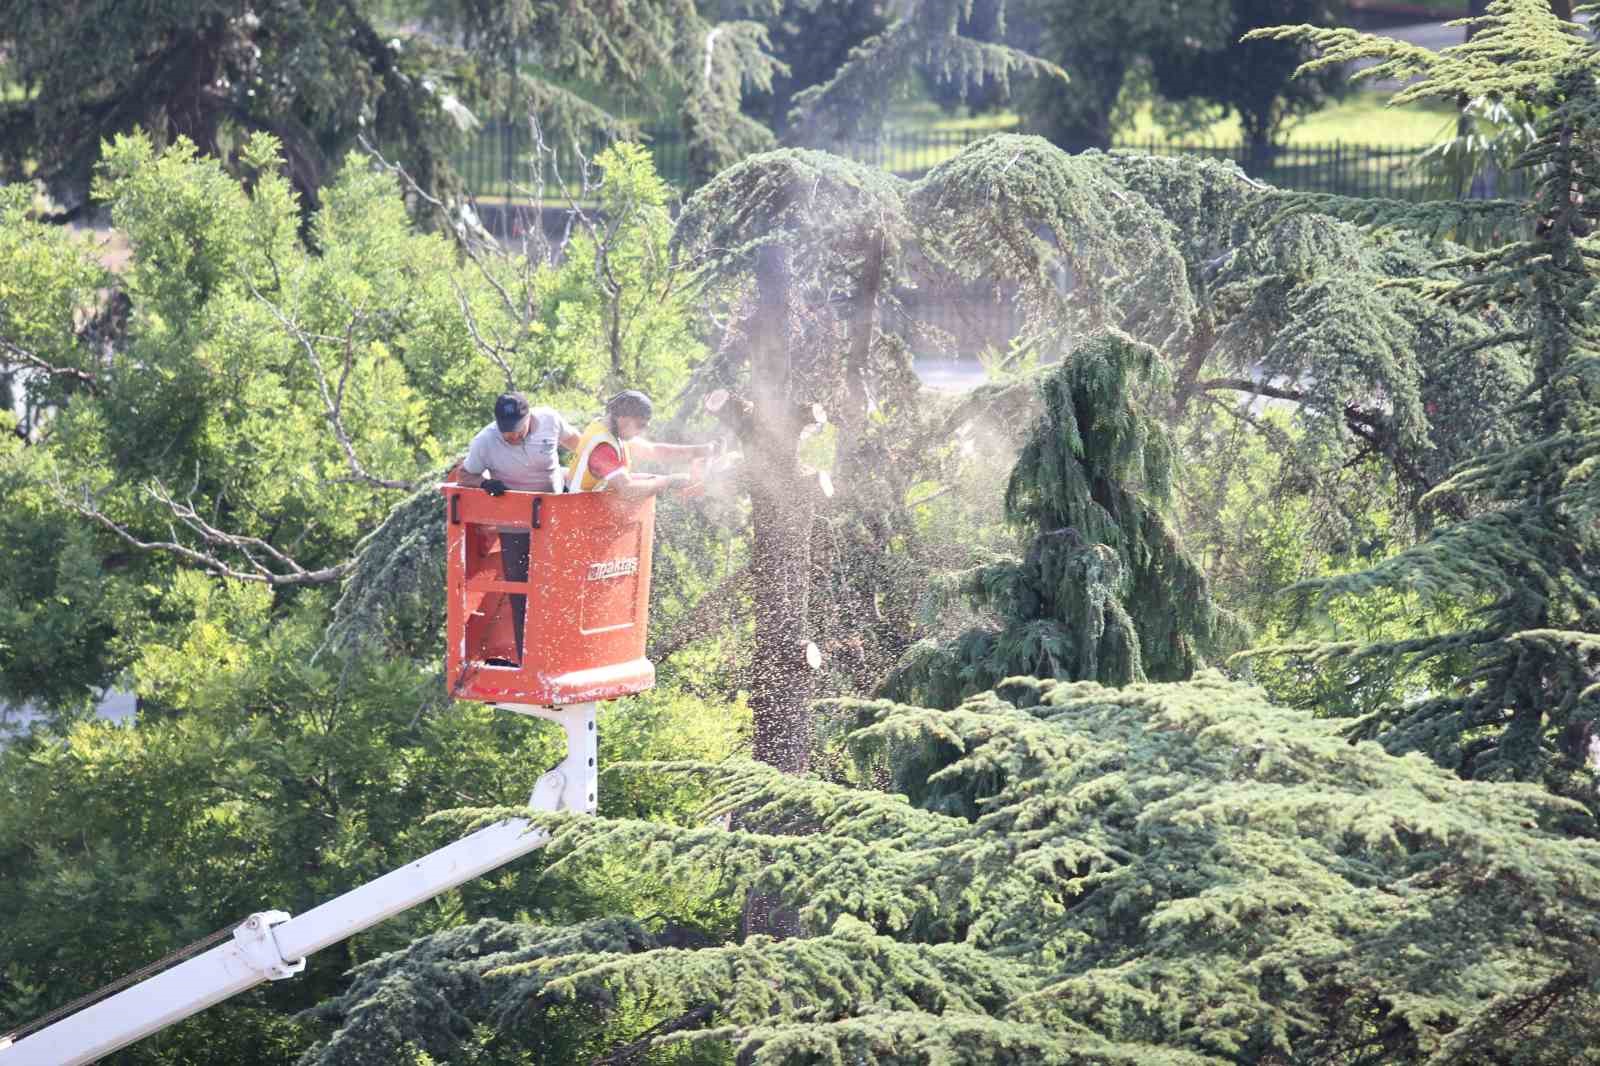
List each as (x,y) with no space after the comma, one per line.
(926,34)
(252,779)
(275,395)
(1176,873)
(812,39)
(411,78)
(799,251)
(614,311)
(1162,873)
(1188,62)
(1247,299)
(1520,553)
(56,624)
(1105,591)
(615,302)
(1083,254)
(1103,46)
(247,356)
(261,399)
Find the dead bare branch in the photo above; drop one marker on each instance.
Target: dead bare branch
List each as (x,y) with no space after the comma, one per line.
(254,549)
(333,400)
(38,363)
(490,351)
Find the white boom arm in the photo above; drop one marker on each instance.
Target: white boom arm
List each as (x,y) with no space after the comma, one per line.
(271,946)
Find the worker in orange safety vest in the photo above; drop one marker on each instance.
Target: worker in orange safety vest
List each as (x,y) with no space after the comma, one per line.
(608,447)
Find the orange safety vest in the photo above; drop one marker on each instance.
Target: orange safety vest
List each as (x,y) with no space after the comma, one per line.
(594,434)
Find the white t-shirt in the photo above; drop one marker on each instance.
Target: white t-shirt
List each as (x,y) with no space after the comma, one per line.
(530,466)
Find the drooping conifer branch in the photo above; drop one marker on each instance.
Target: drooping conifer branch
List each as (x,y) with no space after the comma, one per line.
(1162,873)
(1105,591)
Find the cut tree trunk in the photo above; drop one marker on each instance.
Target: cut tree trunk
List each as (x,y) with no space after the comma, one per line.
(781,689)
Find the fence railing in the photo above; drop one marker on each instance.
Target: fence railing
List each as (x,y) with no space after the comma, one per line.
(501,162)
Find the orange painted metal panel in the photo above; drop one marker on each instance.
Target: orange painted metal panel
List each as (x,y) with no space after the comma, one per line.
(588,596)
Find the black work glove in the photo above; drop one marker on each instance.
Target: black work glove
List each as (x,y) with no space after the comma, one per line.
(494,486)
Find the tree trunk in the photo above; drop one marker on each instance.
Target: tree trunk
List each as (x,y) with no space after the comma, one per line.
(1078,118)
(1259,150)
(863,326)
(780,517)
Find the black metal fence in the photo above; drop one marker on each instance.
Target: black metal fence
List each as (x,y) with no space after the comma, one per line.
(502,162)
(1347,169)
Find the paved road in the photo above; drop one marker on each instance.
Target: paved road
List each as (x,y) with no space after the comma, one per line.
(949,375)
(114,706)
(1432,35)
(1435,36)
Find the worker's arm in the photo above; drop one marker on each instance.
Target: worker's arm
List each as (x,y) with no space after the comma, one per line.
(631,486)
(569,437)
(669,453)
(466,477)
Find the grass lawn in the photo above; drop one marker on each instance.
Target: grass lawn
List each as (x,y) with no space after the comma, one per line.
(1362,117)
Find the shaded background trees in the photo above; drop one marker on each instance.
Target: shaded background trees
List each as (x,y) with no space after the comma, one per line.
(1254,80)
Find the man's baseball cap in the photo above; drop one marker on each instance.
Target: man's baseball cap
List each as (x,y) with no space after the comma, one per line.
(509,411)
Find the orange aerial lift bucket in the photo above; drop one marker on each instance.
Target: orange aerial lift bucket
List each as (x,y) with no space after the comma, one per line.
(587,590)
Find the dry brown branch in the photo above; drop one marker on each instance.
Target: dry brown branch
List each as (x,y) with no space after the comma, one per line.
(490,351)
(254,549)
(333,400)
(634,1051)
(38,363)
(472,247)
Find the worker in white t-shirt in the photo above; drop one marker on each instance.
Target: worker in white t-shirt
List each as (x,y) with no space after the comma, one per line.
(517,451)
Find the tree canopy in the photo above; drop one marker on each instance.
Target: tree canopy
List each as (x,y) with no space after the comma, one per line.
(1068,836)
(1105,591)
(414,78)
(1182,874)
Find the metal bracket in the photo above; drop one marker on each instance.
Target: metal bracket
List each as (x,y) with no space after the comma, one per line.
(259,946)
(572,784)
